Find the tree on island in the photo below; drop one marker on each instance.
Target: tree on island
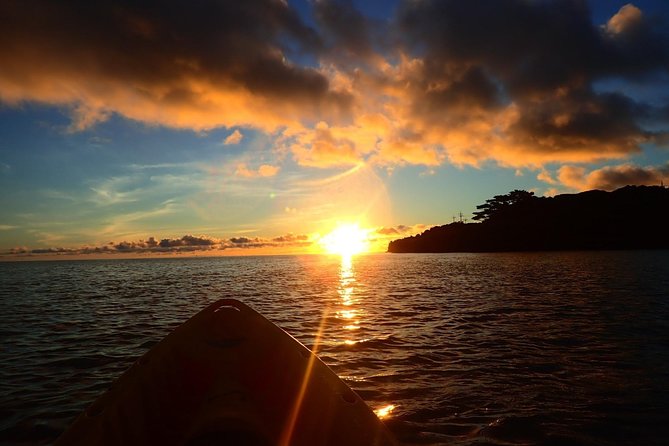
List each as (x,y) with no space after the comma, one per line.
(500,204)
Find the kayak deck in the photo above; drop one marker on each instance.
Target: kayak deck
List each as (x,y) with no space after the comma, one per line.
(228,376)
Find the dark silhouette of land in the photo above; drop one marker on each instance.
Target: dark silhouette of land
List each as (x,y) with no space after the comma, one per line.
(632,217)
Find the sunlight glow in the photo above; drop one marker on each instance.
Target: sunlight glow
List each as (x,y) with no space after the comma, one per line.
(346,240)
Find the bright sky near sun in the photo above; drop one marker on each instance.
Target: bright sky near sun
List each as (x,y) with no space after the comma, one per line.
(262,126)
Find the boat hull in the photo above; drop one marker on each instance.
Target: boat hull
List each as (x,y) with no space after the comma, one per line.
(228,376)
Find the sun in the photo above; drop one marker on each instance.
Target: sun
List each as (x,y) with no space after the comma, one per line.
(346,240)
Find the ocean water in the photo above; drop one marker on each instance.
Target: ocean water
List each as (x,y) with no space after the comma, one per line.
(459,349)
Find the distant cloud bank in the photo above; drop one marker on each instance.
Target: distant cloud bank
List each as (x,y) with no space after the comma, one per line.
(185,244)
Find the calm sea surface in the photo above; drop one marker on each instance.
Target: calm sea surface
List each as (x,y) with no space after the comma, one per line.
(470,349)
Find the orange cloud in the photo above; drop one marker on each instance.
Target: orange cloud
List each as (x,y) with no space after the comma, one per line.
(628,17)
(546,177)
(265,170)
(320,148)
(233,138)
(613,177)
(572,177)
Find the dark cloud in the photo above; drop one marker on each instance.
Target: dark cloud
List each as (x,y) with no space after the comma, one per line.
(287,240)
(136,245)
(540,57)
(151,244)
(468,89)
(52,251)
(634,44)
(239,240)
(185,241)
(579,119)
(129,246)
(531,46)
(118,55)
(159,41)
(190,240)
(346,29)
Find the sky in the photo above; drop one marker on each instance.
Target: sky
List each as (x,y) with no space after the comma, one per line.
(227,127)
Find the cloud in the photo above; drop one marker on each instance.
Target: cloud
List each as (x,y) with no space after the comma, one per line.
(194,66)
(285,241)
(442,93)
(400,230)
(551,192)
(186,244)
(387,231)
(265,170)
(188,240)
(115,190)
(347,31)
(233,138)
(380,237)
(546,177)
(613,177)
(531,93)
(322,148)
(291,238)
(627,18)
(572,176)
(339,88)
(85,115)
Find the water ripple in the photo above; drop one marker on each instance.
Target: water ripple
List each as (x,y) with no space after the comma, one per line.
(470,349)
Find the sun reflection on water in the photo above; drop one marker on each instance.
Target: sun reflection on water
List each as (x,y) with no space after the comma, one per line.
(385,411)
(350,313)
(348,299)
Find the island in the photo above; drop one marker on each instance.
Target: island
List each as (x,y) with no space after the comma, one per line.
(632,217)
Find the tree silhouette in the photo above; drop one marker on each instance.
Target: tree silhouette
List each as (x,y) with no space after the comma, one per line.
(501,204)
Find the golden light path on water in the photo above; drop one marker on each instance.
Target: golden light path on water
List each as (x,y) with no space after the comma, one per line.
(351,316)
(348,313)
